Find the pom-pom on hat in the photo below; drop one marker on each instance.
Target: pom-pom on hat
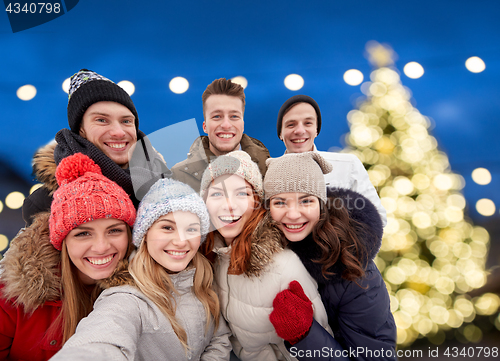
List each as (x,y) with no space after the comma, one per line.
(84,195)
(165,196)
(88,87)
(297,173)
(237,162)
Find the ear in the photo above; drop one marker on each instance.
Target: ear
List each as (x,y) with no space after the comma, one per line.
(82,133)
(205,126)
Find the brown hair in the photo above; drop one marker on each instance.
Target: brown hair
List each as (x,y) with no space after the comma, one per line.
(335,235)
(223,86)
(241,245)
(77,299)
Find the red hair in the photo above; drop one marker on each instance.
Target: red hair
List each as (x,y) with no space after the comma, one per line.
(241,245)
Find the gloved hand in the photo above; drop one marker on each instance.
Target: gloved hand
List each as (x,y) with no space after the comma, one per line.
(292,314)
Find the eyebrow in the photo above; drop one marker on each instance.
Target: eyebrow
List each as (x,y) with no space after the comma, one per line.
(237,189)
(108,115)
(166,220)
(84,227)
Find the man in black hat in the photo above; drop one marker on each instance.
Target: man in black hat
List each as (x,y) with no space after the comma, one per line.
(104,125)
(299,123)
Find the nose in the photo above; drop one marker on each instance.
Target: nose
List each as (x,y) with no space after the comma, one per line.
(230,204)
(293,212)
(299,129)
(101,245)
(226,123)
(180,239)
(116,130)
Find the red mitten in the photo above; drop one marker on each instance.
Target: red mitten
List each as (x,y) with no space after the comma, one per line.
(292,315)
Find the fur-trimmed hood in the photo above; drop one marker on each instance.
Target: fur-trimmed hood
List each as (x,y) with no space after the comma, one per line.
(44,167)
(266,242)
(365,222)
(30,268)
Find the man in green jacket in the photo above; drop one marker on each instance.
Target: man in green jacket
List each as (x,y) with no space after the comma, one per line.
(223,109)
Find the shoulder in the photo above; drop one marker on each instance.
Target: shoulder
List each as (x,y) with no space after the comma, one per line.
(339,157)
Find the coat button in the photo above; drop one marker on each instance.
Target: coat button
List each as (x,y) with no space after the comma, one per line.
(53,343)
(186,168)
(196,173)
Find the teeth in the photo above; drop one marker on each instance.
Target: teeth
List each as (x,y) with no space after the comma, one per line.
(229,218)
(225,135)
(117,145)
(299,141)
(176,253)
(294,226)
(99,261)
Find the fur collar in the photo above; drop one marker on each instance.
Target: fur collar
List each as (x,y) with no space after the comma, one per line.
(44,167)
(368,227)
(119,277)
(30,268)
(266,242)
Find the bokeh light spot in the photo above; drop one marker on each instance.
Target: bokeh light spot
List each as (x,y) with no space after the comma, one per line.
(413,70)
(481,176)
(14,200)
(241,80)
(128,86)
(485,207)
(26,92)
(353,77)
(294,82)
(475,64)
(178,85)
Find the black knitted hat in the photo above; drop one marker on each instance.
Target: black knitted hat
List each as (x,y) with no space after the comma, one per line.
(88,87)
(300,98)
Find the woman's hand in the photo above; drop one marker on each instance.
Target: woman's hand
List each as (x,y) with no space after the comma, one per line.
(292,315)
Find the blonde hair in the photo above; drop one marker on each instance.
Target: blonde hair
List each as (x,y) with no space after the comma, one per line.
(77,299)
(153,280)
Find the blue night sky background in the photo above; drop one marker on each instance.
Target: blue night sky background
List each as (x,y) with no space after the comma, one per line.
(150,42)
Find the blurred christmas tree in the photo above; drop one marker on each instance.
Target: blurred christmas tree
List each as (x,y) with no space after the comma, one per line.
(431,256)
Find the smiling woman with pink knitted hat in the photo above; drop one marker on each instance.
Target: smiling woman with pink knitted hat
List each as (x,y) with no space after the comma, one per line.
(54,269)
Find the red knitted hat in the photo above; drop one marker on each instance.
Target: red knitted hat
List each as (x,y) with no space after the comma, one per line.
(84,195)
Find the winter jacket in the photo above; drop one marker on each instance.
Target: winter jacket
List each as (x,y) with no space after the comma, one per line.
(247,299)
(145,168)
(30,298)
(126,325)
(349,173)
(191,170)
(359,314)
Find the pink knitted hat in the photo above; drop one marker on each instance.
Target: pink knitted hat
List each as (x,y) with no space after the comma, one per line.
(84,195)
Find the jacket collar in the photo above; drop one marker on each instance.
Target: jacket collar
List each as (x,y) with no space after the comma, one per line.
(266,242)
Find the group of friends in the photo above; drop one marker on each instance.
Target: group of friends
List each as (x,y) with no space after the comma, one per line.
(230,254)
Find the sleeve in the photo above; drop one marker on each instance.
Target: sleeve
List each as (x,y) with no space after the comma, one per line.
(365,320)
(110,332)
(7,327)
(361,183)
(317,345)
(294,270)
(219,347)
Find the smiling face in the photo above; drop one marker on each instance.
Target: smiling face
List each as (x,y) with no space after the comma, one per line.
(299,128)
(295,213)
(223,123)
(96,247)
(174,239)
(230,203)
(110,127)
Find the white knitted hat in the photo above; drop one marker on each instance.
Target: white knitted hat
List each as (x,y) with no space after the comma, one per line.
(237,162)
(165,196)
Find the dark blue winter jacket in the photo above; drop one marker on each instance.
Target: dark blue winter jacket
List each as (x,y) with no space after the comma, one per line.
(359,314)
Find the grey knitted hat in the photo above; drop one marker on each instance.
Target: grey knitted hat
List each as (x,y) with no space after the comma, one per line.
(165,196)
(237,162)
(297,173)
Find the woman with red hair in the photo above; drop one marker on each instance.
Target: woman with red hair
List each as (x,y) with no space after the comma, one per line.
(251,264)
